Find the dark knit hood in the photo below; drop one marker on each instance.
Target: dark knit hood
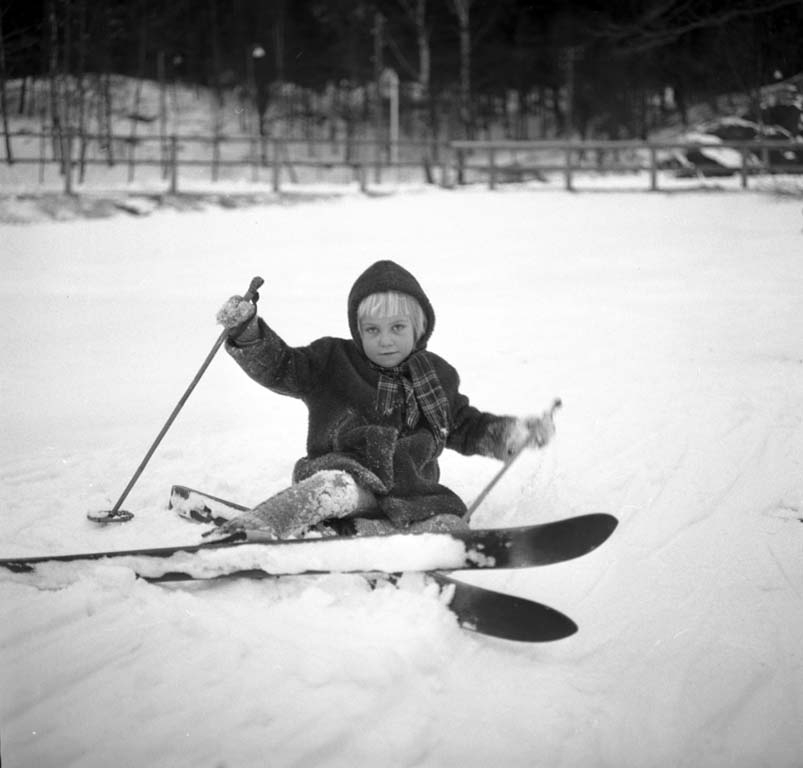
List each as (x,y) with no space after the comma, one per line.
(388,276)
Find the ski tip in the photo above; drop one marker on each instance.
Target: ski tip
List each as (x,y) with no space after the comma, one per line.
(535,623)
(110,516)
(605,522)
(506,617)
(596,525)
(596,528)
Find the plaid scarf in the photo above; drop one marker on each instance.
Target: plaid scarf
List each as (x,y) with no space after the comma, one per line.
(414,385)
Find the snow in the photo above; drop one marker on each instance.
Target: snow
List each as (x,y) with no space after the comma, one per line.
(424,552)
(669,325)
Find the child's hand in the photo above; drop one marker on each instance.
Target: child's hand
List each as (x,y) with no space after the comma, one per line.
(240,317)
(541,429)
(235,311)
(534,431)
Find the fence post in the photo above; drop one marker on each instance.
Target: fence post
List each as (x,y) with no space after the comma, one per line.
(254,152)
(377,162)
(744,167)
(569,187)
(653,170)
(9,153)
(276,168)
(68,160)
(42,155)
(460,168)
(132,163)
(492,174)
(362,170)
(174,164)
(445,165)
(446,170)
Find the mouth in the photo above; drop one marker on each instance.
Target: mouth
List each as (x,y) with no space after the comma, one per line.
(387,357)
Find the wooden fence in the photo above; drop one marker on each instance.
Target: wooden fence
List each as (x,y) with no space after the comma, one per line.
(369,162)
(500,160)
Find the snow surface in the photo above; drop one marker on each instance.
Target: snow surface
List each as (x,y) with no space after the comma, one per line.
(670,326)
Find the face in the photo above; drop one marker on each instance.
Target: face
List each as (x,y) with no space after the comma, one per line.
(387,341)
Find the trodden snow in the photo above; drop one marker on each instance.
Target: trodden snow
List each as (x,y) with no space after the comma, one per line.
(669,324)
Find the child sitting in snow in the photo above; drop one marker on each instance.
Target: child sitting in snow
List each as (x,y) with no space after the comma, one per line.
(381,410)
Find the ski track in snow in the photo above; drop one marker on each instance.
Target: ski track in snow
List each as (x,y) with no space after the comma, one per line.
(668,324)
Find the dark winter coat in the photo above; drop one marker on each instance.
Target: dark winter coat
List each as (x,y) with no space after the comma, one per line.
(338,384)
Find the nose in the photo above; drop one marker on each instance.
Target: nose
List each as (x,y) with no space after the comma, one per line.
(384,339)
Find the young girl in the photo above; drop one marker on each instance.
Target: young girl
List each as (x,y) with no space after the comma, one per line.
(381,410)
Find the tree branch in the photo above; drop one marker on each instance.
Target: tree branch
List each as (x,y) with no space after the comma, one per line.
(665,21)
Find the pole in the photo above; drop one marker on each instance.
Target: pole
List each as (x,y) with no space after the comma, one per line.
(116,515)
(500,474)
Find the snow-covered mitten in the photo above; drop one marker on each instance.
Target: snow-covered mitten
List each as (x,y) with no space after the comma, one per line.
(239,316)
(535,431)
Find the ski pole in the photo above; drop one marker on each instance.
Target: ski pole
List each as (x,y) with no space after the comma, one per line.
(507,465)
(117,515)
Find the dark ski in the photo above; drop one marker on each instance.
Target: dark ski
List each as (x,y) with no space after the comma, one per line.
(490,548)
(477,609)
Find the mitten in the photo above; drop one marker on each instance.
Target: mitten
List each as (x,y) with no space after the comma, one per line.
(239,316)
(534,431)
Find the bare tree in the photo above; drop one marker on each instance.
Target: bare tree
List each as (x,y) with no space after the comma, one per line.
(3,98)
(138,9)
(415,11)
(56,101)
(81,88)
(662,22)
(462,10)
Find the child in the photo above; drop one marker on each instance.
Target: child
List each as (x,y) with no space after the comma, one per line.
(381,410)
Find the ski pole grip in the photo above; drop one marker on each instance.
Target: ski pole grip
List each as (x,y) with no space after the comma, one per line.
(256,283)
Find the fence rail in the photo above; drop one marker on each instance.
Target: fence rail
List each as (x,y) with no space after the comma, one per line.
(366,161)
(747,158)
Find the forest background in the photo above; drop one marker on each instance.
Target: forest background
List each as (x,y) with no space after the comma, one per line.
(514,69)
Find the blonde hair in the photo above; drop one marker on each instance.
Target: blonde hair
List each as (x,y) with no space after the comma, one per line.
(390,304)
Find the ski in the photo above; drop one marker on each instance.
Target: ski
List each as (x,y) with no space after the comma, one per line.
(491,548)
(504,616)
(477,609)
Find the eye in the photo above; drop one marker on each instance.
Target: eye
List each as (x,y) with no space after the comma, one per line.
(399,327)
(370,330)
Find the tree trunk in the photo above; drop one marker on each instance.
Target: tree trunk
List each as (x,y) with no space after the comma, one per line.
(379,47)
(217,90)
(3,96)
(55,96)
(462,9)
(108,111)
(81,96)
(141,53)
(278,40)
(424,80)
(23,95)
(160,76)
(106,96)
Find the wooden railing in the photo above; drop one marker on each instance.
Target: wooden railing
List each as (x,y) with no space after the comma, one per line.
(369,162)
(268,159)
(502,160)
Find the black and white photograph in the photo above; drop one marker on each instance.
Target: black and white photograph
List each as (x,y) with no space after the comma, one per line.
(401,383)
